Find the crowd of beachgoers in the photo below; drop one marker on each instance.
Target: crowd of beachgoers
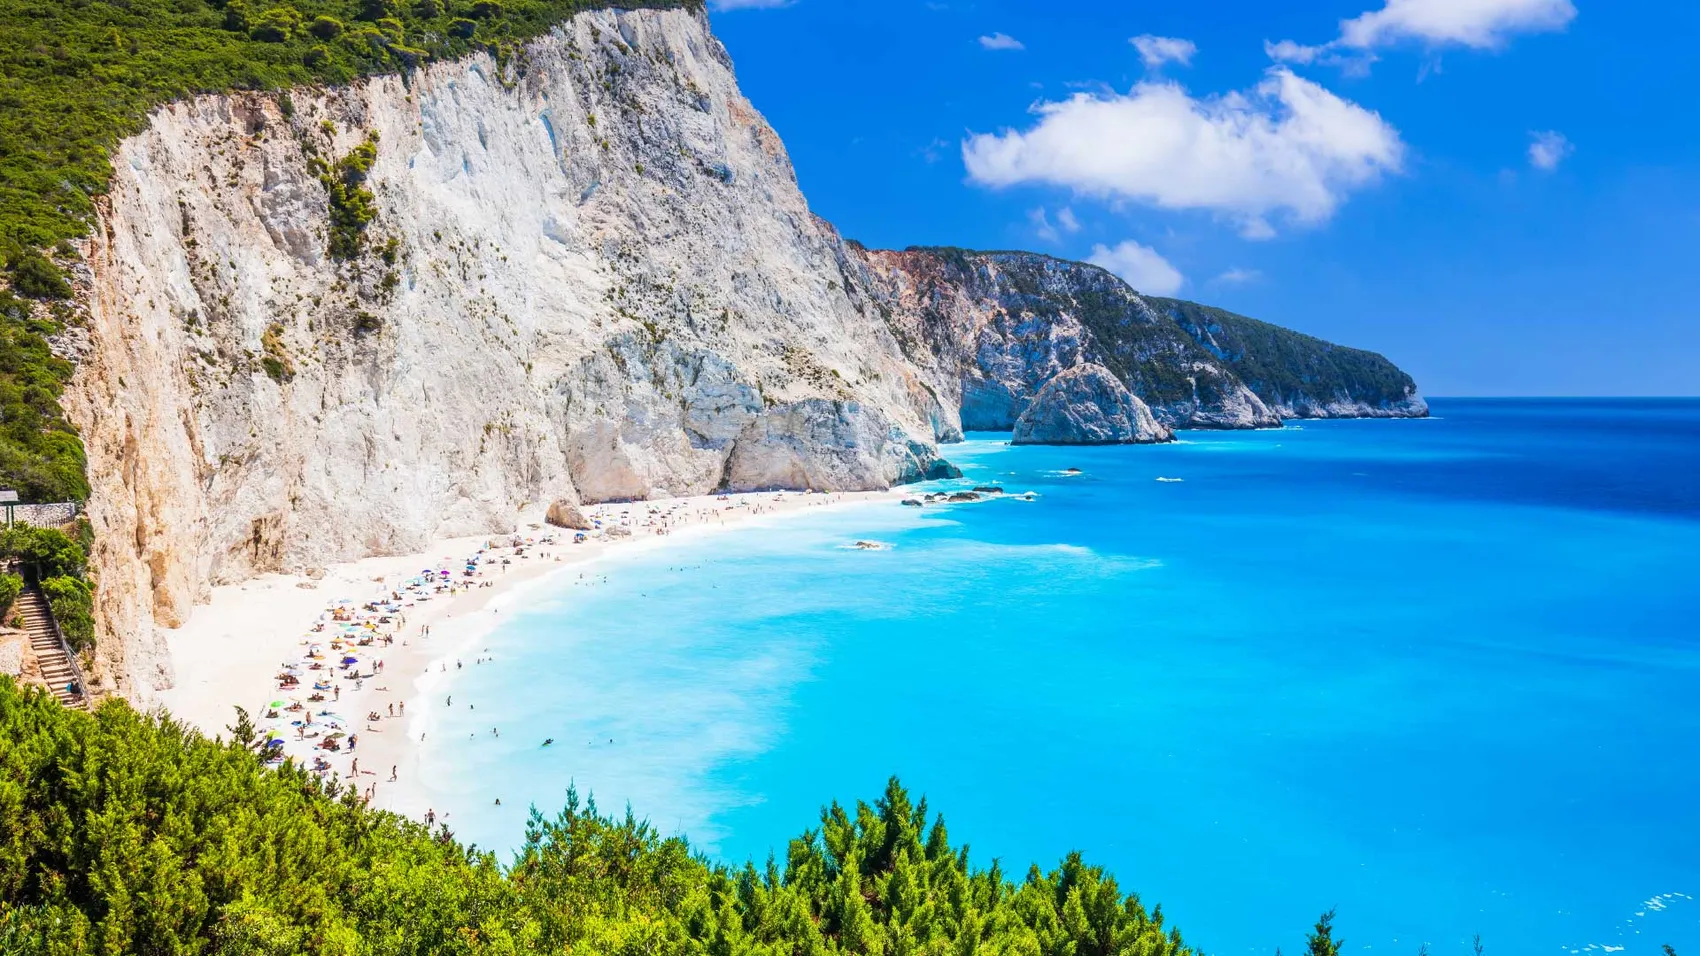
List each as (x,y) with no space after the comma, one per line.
(336,707)
(316,719)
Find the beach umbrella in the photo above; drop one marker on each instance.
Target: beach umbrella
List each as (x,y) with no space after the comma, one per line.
(275,704)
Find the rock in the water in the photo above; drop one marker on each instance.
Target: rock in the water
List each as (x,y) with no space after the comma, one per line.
(565,514)
(1087,405)
(912,502)
(989,489)
(964,496)
(941,469)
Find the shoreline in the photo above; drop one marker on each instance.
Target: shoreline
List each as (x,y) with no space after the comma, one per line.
(233,648)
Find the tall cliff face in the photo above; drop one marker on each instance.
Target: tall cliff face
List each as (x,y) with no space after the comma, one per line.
(999,325)
(342,322)
(991,329)
(590,273)
(1298,375)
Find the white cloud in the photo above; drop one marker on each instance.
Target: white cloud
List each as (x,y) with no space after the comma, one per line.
(1483,24)
(1041,224)
(1156,51)
(1288,51)
(1141,266)
(1237,276)
(1478,24)
(1001,41)
(1547,149)
(1049,231)
(1286,147)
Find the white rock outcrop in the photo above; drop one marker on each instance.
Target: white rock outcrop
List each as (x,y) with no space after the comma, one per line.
(1087,405)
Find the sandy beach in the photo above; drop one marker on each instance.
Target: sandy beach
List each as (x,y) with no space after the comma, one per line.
(405,630)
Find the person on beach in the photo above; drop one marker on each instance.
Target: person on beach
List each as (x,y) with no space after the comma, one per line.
(392,773)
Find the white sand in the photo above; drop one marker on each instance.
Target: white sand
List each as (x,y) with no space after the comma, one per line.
(232,649)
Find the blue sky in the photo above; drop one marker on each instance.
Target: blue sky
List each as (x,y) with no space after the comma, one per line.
(1501,195)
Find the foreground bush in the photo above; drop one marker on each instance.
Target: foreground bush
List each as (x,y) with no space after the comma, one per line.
(126,833)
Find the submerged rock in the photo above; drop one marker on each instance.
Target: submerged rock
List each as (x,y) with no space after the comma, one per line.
(912,502)
(1087,405)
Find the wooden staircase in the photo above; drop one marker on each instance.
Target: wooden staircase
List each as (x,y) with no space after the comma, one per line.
(58,670)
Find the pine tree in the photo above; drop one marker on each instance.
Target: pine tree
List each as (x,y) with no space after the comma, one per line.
(242,731)
(1321,940)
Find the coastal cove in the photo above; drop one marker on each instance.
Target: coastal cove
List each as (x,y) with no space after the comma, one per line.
(1431,672)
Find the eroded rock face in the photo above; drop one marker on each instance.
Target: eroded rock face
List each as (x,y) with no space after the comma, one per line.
(996,326)
(565,514)
(591,270)
(591,276)
(1087,405)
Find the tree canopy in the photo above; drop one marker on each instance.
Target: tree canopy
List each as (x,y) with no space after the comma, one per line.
(128,833)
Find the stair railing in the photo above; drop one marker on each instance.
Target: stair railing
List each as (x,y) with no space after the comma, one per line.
(59,635)
(65,646)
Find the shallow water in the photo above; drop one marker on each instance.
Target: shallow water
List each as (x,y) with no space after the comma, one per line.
(1439,674)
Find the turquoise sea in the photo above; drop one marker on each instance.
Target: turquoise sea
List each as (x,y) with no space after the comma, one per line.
(1443,675)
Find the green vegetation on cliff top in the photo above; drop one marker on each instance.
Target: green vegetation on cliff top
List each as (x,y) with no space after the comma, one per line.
(78,76)
(125,833)
(1279,364)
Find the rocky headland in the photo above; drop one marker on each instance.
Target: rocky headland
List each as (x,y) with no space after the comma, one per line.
(584,273)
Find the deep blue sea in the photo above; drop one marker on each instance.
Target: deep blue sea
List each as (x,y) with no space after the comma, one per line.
(1443,675)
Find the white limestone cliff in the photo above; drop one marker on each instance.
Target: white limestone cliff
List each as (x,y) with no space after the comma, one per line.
(590,276)
(603,283)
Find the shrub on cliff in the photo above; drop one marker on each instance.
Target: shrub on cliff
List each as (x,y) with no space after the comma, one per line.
(72,602)
(121,832)
(10,587)
(277,25)
(33,275)
(48,552)
(40,456)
